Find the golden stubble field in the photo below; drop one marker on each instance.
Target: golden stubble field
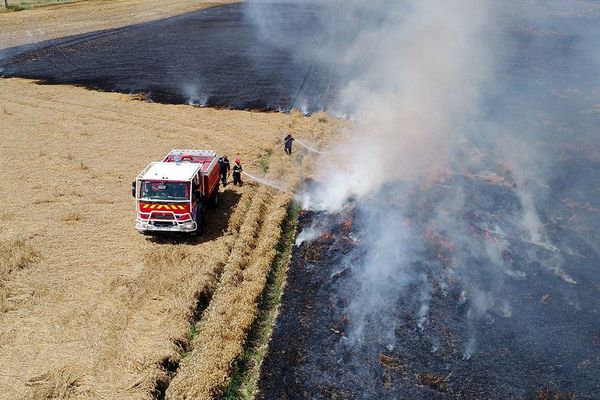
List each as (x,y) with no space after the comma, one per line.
(60,20)
(89,308)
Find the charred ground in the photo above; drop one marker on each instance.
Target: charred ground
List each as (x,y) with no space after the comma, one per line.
(470,300)
(549,342)
(214,57)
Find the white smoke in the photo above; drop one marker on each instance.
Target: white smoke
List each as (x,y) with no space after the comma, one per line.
(416,78)
(383,275)
(419,69)
(422,70)
(307,235)
(412,76)
(192,92)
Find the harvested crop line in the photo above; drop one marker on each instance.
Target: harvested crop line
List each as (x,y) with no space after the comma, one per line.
(200,299)
(228,317)
(242,384)
(203,296)
(222,332)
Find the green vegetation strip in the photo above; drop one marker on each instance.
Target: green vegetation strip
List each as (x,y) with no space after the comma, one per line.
(242,384)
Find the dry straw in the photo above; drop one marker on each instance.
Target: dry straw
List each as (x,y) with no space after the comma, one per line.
(91,308)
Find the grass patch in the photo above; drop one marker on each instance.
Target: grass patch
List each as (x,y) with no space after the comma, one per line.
(242,384)
(263,164)
(193,332)
(13,8)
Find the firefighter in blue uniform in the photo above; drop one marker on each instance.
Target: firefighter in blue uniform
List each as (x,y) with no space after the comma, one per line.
(224,168)
(288,143)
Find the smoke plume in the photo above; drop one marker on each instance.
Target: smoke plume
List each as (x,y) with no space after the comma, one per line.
(463,112)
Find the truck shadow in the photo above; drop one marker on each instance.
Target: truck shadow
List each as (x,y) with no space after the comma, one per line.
(215,224)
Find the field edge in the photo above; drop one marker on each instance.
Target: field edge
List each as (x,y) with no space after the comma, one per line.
(242,382)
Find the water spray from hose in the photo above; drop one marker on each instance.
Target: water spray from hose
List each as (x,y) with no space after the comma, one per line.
(307,147)
(277,185)
(267,182)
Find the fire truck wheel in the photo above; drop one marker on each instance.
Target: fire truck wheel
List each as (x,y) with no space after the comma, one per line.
(200,218)
(198,222)
(214,199)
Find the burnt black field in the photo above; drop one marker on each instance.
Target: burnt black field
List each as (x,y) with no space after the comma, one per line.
(546,342)
(214,57)
(470,303)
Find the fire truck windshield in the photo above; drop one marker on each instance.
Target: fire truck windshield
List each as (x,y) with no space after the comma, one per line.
(165,190)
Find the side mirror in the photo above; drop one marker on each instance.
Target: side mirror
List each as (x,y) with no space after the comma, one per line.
(133,189)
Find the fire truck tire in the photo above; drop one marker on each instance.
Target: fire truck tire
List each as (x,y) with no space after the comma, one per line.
(213,202)
(200,219)
(198,229)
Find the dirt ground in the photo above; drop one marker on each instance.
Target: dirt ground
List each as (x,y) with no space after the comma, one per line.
(88,306)
(56,21)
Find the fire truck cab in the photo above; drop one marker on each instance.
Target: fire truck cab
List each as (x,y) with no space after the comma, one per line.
(172,195)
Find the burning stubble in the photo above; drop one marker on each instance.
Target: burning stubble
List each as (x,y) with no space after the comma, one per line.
(464,110)
(413,79)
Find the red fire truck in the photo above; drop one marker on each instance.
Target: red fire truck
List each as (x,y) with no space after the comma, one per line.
(173,194)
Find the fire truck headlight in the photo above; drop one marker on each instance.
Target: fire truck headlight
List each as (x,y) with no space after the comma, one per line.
(188,225)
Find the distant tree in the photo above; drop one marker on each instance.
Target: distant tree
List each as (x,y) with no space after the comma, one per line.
(5,3)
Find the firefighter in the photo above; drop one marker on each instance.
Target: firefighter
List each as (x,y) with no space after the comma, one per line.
(288,143)
(237,172)
(224,168)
